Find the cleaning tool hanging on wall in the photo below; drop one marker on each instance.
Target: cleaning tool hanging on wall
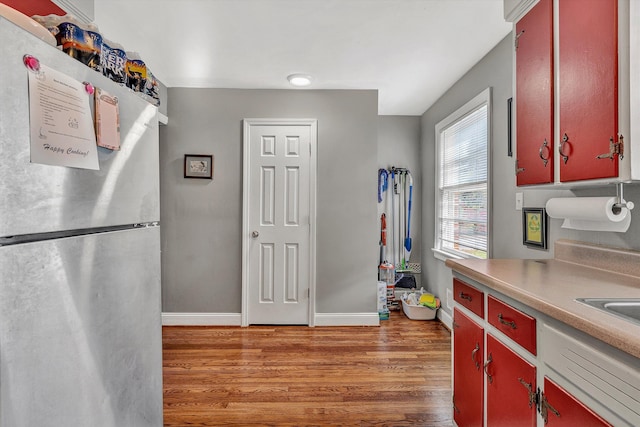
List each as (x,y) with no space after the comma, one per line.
(407,240)
(402,219)
(383,183)
(393,215)
(383,237)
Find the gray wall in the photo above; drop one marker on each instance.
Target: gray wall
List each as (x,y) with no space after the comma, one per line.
(495,70)
(202,219)
(399,145)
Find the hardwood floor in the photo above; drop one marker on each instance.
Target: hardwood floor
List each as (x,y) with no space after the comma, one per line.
(397,374)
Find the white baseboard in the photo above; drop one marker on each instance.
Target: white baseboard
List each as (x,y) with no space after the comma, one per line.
(234,319)
(445,318)
(201,319)
(347,319)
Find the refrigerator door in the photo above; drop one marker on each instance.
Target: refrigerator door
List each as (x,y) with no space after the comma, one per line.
(80,335)
(38,198)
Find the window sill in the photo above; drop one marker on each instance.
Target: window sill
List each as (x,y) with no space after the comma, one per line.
(443,256)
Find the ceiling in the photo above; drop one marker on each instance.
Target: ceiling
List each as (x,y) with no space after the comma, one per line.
(411,51)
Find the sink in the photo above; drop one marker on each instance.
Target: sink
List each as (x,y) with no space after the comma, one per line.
(625,308)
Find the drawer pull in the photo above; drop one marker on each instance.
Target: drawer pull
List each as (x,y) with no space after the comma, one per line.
(511,324)
(465,296)
(486,364)
(473,356)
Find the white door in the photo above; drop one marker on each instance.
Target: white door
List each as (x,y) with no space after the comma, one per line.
(279,199)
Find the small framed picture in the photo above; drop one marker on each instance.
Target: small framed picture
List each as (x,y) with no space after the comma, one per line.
(198,166)
(534,227)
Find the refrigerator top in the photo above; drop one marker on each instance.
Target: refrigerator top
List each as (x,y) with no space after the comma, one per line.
(38,198)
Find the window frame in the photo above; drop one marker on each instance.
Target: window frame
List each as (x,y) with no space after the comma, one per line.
(480,100)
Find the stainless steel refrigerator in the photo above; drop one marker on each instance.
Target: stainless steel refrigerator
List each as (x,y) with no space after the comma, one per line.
(80,305)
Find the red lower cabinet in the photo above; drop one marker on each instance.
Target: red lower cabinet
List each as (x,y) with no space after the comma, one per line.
(511,387)
(496,353)
(468,348)
(560,409)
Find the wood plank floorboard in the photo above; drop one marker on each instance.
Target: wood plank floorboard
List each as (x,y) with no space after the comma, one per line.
(398,374)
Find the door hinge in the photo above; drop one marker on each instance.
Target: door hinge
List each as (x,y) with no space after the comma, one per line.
(615,148)
(533,395)
(544,407)
(453,402)
(516,42)
(518,170)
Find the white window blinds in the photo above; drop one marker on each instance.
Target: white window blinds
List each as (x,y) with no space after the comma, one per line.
(462,205)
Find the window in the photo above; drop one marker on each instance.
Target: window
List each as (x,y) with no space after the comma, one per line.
(462,175)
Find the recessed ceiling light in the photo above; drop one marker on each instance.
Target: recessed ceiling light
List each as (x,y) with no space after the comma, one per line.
(299,80)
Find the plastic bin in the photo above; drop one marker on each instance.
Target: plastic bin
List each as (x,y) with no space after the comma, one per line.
(418,312)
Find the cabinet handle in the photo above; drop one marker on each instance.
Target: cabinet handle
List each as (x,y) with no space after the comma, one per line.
(532,394)
(473,356)
(544,159)
(489,360)
(565,157)
(511,324)
(465,296)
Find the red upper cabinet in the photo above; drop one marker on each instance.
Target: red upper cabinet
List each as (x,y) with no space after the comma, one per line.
(534,95)
(588,88)
(571,91)
(34,7)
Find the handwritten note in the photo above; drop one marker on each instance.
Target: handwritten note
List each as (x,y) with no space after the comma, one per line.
(62,132)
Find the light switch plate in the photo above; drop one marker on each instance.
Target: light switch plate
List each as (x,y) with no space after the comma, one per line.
(519,201)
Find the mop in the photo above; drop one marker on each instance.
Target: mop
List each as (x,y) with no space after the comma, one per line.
(407,239)
(393,215)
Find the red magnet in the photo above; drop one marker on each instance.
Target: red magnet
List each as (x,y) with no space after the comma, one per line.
(31,62)
(89,88)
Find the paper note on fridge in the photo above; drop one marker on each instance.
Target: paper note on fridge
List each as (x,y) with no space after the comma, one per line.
(107,120)
(62,132)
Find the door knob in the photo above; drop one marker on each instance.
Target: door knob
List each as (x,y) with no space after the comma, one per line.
(254,234)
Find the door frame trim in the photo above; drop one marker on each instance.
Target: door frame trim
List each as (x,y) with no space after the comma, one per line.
(313,172)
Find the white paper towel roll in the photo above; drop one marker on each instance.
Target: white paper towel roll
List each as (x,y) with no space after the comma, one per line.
(589,213)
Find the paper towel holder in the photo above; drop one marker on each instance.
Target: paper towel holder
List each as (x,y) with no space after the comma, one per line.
(620,203)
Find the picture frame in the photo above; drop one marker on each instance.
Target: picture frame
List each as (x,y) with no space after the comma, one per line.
(198,166)
(534,227)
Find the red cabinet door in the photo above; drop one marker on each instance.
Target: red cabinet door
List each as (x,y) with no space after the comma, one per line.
(468,393)
(588,87)
(564,410)
(534,95)
(511,387)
